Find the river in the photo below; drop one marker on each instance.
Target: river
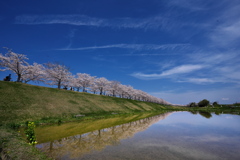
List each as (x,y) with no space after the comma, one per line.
(172,135)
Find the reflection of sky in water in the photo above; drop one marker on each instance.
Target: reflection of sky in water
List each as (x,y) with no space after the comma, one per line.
(224,120)
(181,135)
(187,136)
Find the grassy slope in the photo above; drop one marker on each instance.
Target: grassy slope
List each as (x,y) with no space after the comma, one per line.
(22,102)
(12,146)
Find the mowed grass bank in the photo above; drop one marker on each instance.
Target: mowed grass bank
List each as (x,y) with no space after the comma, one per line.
(22,102)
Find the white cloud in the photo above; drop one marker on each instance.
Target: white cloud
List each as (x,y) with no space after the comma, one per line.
(222,67)
(171,72)
(182,69)
(199,80)
(190,5)
(79,20)
(227,33)
(70,36)
(213,58)
(225,99)
(209,68)
(82,20)
(133,46)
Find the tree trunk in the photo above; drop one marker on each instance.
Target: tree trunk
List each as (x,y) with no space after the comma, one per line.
(114,93)
(19,77)
(59,84)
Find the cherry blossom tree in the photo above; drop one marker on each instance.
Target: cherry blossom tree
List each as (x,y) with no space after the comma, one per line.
(57,74)
(122,90)
(113,87)
(94,87)
(85,81)
(15,63)
(67,82)
(35,72)
(75,83)
(102,84)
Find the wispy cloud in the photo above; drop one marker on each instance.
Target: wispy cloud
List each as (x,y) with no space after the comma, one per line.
(223,67)
(214,58)
(71,35)
(200,80)
(165,22)
(190,5)
(133,46)
(82,20)
(169,73)
(182,69)
(206,68)
(225,99)
(227,32)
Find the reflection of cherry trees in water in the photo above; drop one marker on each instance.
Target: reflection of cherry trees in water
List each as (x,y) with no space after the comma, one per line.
(77,146)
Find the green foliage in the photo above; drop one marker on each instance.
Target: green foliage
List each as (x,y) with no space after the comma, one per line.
(194,112)
(60,121)
(12,146)
(13,125)
(203,103)
(205,114)
(192,104)
(29,131)
(215,104)
(237,104)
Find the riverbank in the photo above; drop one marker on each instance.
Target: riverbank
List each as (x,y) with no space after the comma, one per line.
(13,145)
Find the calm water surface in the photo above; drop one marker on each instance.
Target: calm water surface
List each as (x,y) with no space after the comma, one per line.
(176,135)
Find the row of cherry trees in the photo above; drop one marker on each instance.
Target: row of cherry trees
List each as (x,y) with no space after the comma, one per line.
(60,75)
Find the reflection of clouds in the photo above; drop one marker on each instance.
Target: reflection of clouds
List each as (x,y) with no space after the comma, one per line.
(79,145)
(177,119)
(181,117)
(178,151)
(207,138)
(229,117)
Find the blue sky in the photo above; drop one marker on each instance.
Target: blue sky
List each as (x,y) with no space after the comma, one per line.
(180,50)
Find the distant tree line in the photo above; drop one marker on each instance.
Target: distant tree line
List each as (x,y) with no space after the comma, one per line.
(60,75)
(203,103)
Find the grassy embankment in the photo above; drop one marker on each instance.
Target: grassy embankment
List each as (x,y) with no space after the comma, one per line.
(22,102)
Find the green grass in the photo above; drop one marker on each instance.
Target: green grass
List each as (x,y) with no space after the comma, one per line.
(30,103)
(12,146)
(48,133)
